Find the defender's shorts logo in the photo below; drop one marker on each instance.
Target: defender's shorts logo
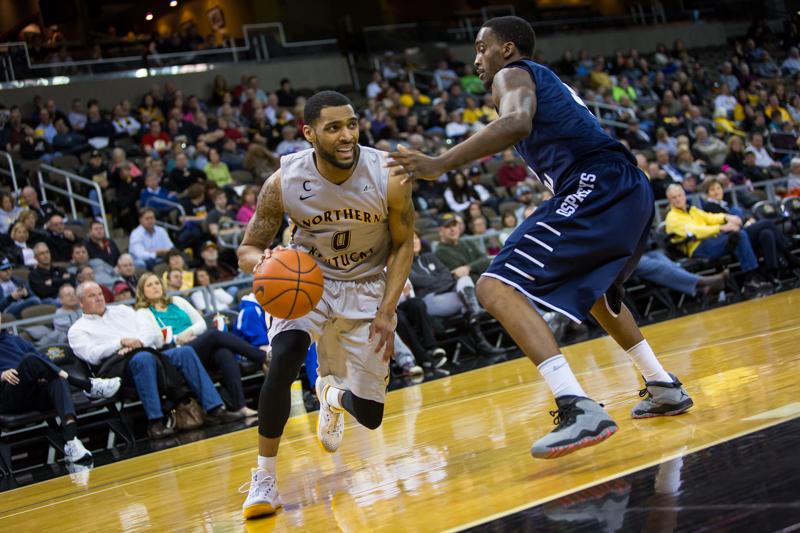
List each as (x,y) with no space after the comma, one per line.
(574,200)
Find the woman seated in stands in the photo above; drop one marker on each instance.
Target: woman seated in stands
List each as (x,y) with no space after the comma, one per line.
(8,212)
(18,251)
(766,237)
(459,194)
(180,323)
(509,225)
(217,170)
(207,299)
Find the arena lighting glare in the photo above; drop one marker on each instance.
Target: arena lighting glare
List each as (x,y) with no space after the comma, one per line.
(148,16)
(173,3)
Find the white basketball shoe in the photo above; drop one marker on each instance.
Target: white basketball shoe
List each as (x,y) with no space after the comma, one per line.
(330,423)
(262,496)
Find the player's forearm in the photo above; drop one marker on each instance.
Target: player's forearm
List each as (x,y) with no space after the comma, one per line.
(398,268)
(496,137)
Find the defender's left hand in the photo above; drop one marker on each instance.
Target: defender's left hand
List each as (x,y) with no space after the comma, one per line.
(382,327)
(414,165)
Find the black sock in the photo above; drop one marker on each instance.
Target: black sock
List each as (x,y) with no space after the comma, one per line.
(81,383)
(70,429)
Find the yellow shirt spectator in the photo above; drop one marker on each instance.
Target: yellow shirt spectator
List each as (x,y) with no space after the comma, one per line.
(187,277)
(489,112)
(785,116)
(471,116)
(695,223)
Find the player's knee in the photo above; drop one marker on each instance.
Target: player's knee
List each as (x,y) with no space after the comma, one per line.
(368,412)
(289,349)
(288,343)
(488,291)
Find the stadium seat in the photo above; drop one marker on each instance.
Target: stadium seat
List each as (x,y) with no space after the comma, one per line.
(38,310)
(66,162)
(423,224)
(509,205)
(767,210)
(21,273)
(242,177)
(20,430)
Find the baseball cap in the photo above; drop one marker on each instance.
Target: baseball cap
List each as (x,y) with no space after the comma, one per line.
(95,153)
(522,189)
(447,219)
(208,244)
(120,287)
(5,264)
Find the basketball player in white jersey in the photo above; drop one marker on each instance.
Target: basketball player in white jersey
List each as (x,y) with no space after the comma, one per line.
(358,223)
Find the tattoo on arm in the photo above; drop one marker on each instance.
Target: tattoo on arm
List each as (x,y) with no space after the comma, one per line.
(407,215)
(263,227)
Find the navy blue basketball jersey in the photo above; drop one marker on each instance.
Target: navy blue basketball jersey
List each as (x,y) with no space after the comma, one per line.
(565,133)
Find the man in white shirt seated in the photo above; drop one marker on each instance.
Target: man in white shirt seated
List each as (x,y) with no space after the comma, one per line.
(763,159)
(111,337)
(791,65)
(149,244)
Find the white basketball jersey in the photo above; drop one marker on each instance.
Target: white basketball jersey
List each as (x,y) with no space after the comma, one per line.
(344,227)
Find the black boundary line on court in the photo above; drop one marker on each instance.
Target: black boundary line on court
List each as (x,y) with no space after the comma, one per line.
(717,488)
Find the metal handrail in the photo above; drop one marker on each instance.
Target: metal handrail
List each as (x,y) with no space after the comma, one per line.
(234,242)
(10,172)
(16,325)
(72,196)
(595,108)
(168,203)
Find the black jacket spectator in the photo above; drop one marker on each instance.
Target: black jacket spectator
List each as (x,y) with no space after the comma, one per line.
(430,276)
(60,246)
(46,282)
(180,179)
(107,250)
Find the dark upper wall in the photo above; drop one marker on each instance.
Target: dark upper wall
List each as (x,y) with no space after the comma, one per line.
(13,13)
(308,72)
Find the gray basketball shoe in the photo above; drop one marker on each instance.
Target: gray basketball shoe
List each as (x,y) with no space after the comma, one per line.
(662,399)
(581,422)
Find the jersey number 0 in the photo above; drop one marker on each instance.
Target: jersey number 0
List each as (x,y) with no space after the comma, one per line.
(340,240)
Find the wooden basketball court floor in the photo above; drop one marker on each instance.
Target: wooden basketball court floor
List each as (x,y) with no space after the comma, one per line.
(453,453)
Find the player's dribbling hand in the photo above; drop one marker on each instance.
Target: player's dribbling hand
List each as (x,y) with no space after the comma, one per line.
(382,327)
(266,255)
(413,165)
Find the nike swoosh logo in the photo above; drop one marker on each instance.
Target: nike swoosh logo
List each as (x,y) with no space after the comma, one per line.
(306,197)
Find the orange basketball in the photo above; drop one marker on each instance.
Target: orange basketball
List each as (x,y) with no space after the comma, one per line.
(288,284)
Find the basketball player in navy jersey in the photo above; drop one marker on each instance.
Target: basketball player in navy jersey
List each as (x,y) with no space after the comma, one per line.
(574,252)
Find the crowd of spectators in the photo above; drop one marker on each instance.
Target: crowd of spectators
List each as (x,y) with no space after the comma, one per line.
(179,175)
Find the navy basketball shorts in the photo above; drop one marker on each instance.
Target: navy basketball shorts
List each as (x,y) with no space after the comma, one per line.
(586,239)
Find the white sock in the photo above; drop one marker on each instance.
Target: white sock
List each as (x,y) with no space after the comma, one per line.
(645,360)
(333,397)
(559,377)
(267,464)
